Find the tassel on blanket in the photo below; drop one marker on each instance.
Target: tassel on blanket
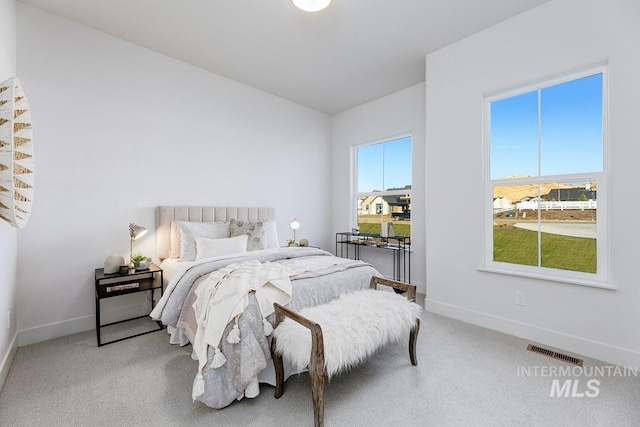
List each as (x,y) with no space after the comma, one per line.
(267,327)
(234,334)
(198,387)
(218,359)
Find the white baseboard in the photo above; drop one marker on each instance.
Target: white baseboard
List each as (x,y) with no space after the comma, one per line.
(7,360)
(80,324)
(571,343)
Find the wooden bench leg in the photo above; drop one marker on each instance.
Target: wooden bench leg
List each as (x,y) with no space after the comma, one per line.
(413,338)
(278,365)
(318,374)
(317,392)
(317,370)
(411,296)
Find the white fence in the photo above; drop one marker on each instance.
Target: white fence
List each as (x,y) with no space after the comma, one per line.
(535,205)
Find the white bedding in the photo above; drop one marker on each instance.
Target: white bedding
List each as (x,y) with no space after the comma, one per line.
(317,277)
(174,269)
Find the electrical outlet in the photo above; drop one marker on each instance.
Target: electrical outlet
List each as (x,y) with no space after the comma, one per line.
(519,298)
(379,261)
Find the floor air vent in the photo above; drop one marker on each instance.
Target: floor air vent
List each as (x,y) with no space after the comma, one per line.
(555,355)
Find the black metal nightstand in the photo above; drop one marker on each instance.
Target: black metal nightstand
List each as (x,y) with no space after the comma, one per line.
(116,284)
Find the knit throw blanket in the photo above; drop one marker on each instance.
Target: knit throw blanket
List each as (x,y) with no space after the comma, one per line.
(223,297)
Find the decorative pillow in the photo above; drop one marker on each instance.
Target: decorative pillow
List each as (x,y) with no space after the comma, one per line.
(272,235)
(256,230)
(190,230)
(210,248)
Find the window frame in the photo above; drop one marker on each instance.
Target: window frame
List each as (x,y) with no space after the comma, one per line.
(601,278)
(354,178)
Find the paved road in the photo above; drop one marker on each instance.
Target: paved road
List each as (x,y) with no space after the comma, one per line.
(565,228)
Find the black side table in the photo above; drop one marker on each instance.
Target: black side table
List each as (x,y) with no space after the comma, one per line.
(400,245)
(116,284)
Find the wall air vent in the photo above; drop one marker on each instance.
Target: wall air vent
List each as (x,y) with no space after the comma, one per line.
(555,355)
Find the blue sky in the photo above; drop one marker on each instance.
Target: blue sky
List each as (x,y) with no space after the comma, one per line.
(394,157)
(571,130)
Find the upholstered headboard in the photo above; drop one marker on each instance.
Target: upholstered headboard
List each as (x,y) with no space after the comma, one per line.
(166,214)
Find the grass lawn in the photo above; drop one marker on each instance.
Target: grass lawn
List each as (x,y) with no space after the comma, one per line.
(563,252)
(399,229)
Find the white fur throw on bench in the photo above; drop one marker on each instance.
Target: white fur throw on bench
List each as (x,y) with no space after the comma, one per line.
(354,327)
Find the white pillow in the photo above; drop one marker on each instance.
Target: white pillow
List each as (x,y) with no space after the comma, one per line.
(174,241)
(210,248)
(256,230)
(190,230)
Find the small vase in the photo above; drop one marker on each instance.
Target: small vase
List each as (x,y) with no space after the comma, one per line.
(143,265)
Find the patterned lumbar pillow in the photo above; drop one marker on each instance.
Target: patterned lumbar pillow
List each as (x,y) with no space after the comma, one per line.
(256,230)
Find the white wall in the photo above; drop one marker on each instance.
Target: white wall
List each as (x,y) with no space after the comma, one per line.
(558,36)
(393,115)
(120,129)
(8,234)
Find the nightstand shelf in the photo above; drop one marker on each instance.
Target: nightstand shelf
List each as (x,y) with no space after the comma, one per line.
(118,284)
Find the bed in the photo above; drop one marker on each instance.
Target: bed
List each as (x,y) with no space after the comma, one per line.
(223,269)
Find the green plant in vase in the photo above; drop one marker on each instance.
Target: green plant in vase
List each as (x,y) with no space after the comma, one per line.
(137,259)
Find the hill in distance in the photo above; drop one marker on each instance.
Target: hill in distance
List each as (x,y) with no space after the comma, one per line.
(517,192)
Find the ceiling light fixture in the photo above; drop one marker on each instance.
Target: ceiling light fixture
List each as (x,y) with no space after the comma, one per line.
(312,5)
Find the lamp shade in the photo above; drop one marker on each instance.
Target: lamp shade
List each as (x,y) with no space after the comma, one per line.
(136,231)
(295,224)
(311,5)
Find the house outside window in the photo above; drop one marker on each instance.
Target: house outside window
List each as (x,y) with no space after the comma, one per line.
(546,182)
(383,185)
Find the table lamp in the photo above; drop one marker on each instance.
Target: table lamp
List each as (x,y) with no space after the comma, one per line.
(135,232)
(294,226)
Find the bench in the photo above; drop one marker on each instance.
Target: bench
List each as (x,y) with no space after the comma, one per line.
(336,336)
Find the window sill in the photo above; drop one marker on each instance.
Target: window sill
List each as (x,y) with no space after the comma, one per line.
(551,278)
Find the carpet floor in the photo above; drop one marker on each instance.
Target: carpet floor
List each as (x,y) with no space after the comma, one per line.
(466,376)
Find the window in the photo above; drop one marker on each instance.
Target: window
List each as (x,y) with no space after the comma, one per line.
(546,180)
(383,186)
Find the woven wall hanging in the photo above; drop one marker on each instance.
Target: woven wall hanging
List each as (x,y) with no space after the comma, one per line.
(16,154)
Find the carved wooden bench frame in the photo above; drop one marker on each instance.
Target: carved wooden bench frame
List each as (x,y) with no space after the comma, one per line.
(317,370)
